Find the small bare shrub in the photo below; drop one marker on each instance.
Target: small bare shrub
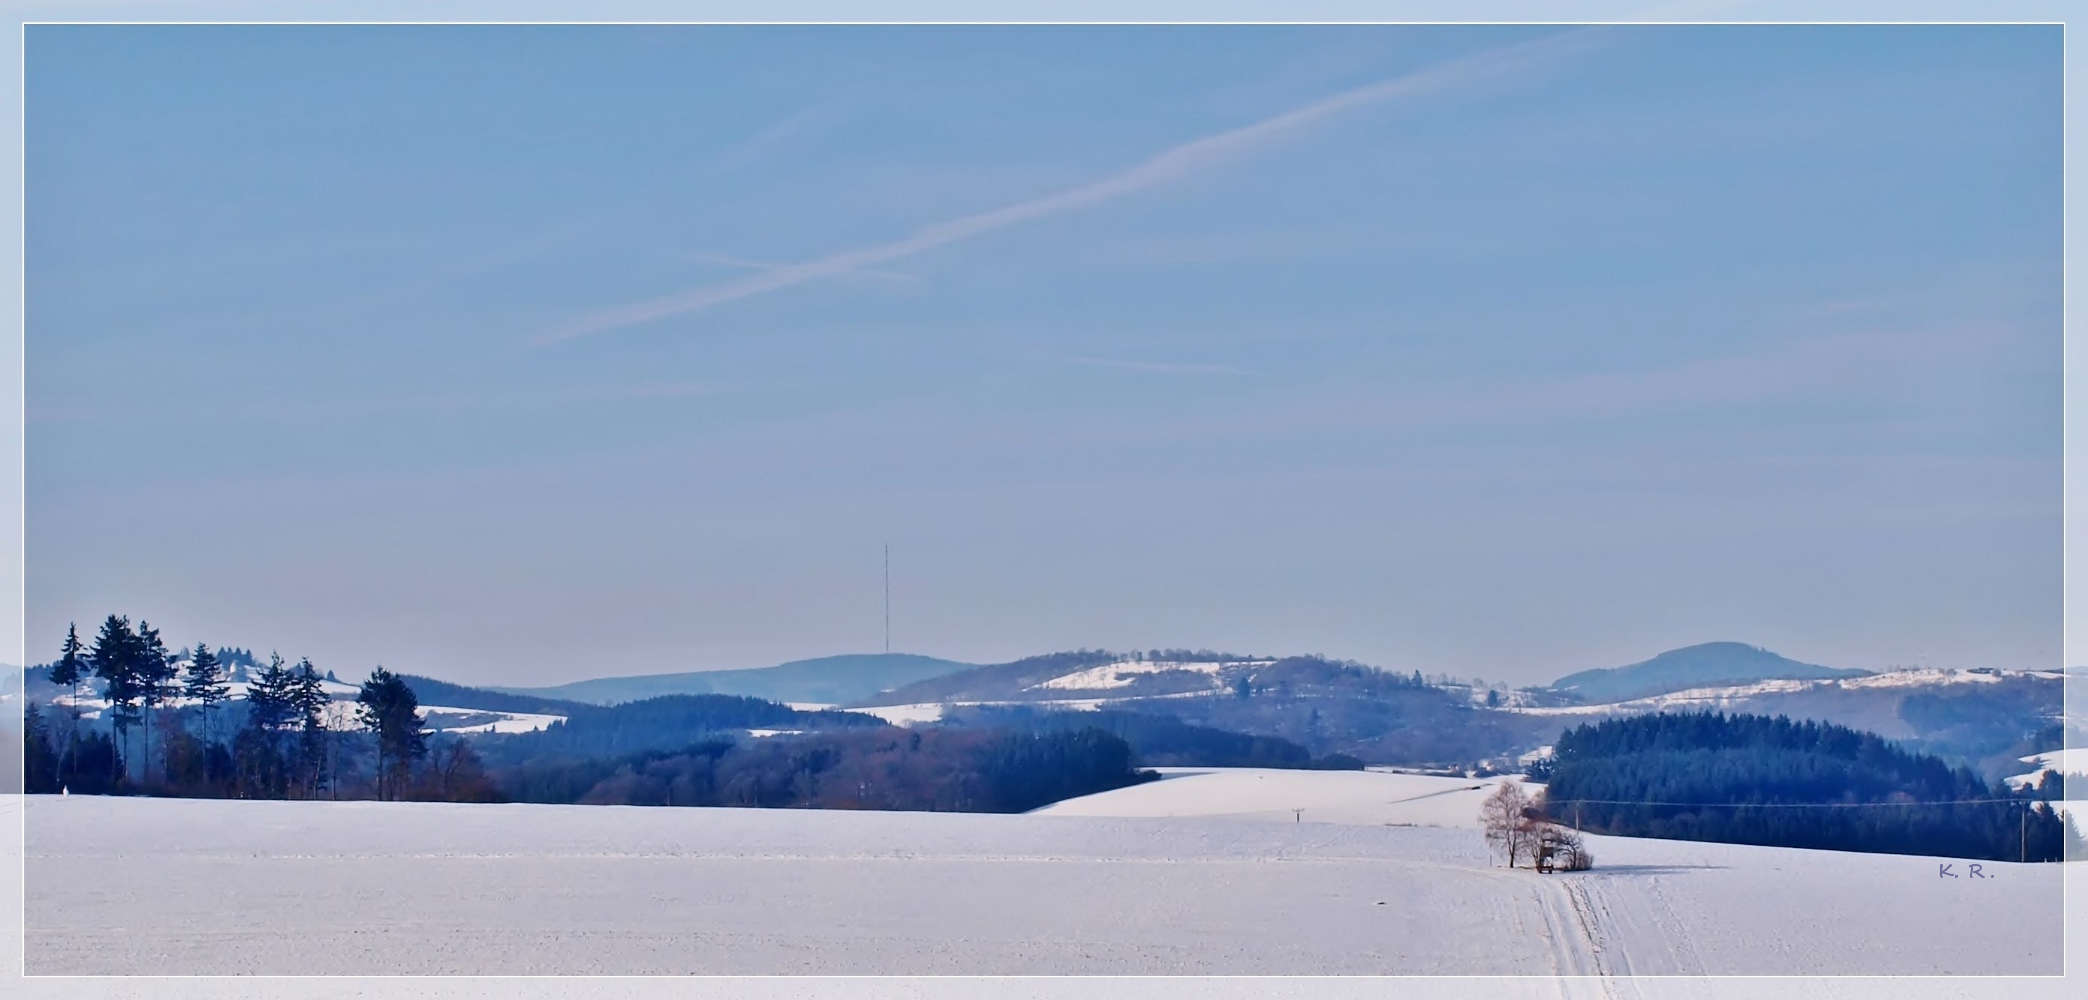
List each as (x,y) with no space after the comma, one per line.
(1569,854)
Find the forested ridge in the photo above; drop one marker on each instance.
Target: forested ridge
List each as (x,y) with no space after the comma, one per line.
(1159,740)
(663,723)
(168,725)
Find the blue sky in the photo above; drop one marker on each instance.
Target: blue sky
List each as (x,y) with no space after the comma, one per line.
(518,355)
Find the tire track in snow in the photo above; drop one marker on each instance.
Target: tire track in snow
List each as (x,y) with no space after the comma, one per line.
(1685,954)
(1634,925)
(1575,948)
(1578,913)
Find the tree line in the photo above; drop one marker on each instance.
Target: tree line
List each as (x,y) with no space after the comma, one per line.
(169,726)
(946,770)
(1158,740)
(1751,779)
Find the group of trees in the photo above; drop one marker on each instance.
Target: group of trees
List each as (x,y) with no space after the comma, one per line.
(169,724)
(1751,779)
(1515,826)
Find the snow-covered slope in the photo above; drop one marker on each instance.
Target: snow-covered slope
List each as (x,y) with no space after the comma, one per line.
(1115,677)
(2071,763)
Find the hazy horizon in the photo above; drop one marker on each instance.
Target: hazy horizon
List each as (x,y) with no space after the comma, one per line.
(522,355)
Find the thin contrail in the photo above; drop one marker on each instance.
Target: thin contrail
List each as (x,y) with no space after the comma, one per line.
(1167,166)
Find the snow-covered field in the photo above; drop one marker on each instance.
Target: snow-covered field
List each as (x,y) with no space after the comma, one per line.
(904,715)
(343,888)
(2071,762)
(1371,798)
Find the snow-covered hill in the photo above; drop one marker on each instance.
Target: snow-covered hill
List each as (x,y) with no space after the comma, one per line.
(1733,695)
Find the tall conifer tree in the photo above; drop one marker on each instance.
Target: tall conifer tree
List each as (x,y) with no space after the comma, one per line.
(390,709)
(308,694)
(205,685)
(271,711)
(115,659)
(155,673)
(67,673)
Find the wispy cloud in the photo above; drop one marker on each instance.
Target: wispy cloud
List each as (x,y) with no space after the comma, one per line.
(755,147)
(1168,166)
(764,265)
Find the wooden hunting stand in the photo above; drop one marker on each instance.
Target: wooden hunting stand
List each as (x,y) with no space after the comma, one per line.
(1547,852)
(1559,849)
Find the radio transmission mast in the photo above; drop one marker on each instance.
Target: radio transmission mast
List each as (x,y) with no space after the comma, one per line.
(888,597)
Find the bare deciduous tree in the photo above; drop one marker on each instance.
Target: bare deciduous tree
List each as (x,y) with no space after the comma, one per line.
(1505,816)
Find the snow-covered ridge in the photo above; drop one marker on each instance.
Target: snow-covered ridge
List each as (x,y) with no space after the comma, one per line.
(339,713)
(1717,697)
(1124,673)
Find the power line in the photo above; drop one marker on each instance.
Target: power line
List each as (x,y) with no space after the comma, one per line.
(1777,805)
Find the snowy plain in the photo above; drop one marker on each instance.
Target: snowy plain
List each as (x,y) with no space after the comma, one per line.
(362,888)
(1371,798)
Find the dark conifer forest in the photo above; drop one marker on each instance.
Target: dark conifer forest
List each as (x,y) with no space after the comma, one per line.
(947,770)
(1750,779)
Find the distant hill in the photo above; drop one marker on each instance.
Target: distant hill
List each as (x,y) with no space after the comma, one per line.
(828,680)
(993,681)
(1324,706)
(1710,664)
(429,691)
